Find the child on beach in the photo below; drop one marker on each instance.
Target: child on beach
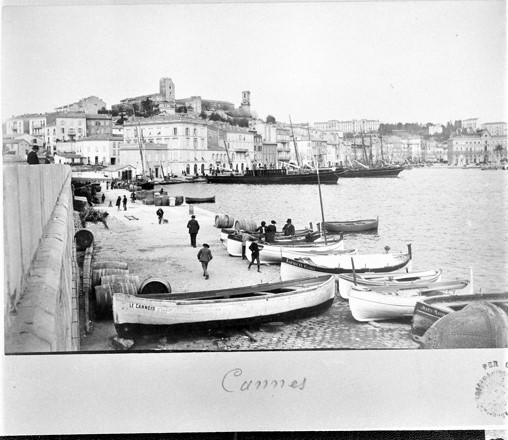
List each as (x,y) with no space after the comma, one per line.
(254,248)
(205,256)
(160,215)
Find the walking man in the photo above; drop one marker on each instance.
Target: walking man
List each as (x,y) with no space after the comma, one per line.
(254,249)
(205,256)
(125,203)
(160,215)
(32,157)
(118,202)
(289,228)
(193,227)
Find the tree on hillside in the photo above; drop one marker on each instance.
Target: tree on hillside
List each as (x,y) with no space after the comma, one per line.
(203,115)
(270,119)
(147,107)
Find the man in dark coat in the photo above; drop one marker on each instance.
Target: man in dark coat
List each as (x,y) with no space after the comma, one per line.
(288,228)
(271,229)
(32,157)
(254,248)
(193,227)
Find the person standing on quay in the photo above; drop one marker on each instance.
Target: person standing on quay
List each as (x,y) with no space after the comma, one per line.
(32,157)
(289,228)
(193,227)
(270,232)
(254,249)
(118,202)
(125,203)
(160,215)
(205,256)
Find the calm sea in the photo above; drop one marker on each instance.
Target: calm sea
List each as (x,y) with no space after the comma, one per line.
(454,218)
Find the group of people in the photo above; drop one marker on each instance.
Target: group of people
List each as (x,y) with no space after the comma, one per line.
(268,232)
(120,201)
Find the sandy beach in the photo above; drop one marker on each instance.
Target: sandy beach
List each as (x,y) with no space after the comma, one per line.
(154,250)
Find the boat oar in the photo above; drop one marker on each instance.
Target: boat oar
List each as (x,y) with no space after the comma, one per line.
(250,335)
(354,273)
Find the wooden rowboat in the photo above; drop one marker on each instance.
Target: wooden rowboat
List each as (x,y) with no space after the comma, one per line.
(190,200)
(224,307)
(305,266)
(429,310)
(270,253)
(381,303)
(400,279)
(353,225)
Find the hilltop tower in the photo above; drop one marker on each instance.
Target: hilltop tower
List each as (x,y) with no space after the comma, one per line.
(246,99)
(167,89)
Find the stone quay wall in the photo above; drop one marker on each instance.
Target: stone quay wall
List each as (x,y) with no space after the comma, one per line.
(41,276)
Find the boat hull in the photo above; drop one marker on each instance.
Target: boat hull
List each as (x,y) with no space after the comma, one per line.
(271,253)
(371,172)
(295,268)
(200,199)
(328,177)
(291,300)
(429,310)
(375,305)
(404,279)
(353,226)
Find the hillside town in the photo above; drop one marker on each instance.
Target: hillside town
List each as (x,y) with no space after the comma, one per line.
(159,135)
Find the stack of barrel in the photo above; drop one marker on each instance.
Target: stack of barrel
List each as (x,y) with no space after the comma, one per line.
(111,277)
(224,221)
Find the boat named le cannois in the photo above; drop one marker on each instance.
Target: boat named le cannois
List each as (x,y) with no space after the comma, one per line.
(277,176)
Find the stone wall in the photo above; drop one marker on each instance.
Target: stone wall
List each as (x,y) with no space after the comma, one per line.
(40,270)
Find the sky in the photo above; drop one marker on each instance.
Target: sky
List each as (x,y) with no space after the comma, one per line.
(400,61)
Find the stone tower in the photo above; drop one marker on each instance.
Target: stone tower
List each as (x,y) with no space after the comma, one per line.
(167,89)
(246,99)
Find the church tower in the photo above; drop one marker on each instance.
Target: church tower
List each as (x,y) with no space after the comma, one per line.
(167,89)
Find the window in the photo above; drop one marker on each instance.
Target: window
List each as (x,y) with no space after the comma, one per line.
(175,131)
(195,132)
(187,131)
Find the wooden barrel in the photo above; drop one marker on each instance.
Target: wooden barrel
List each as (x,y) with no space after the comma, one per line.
(165,200)
(110,265)
(224,221)
(178,200)
(110,279)
(79,203)
(84,238)
(245,225)
(97,274)
(104,296)
(157,201)
(149,202)
(140,195)
(154,285)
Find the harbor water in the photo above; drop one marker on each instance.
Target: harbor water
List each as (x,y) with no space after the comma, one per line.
(454,219)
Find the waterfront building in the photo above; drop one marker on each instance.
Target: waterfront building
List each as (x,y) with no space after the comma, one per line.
(32,124)
(91,105)
(68,158)
(64,127)
(284,153)
(156,158)
(21,145)
(481,146)
(121,172)
(100,149)
(98,124)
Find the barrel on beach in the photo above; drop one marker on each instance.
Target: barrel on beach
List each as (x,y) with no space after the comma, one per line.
(104,296)
(80,203)
(84,238)
(110,279)
(154,285)
(111,265)
(245,225)
(224,221)
(178,200)
(97,274)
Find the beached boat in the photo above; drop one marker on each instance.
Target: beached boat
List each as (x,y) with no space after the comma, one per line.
(224,307)
(225,232)
(353,225)
(305,266)
(402,279)
(429,310)
(276,177)
(190,200)
(270,253)
(381,303)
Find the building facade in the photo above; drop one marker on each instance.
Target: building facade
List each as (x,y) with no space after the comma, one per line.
(64,127)
(91,105)
(353,126)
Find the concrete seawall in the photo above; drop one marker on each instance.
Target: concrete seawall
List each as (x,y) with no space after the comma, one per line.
(41,275)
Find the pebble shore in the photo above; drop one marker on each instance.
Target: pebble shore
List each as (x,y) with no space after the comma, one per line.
(154,250)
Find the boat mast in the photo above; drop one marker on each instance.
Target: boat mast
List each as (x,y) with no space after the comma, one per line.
(323,224)
(370,150)
(227,153)
(294,143)
(140,144)
(363,149)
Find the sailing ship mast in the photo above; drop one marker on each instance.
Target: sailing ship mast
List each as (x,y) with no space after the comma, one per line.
(294,142)
(140,144)
(323,224)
